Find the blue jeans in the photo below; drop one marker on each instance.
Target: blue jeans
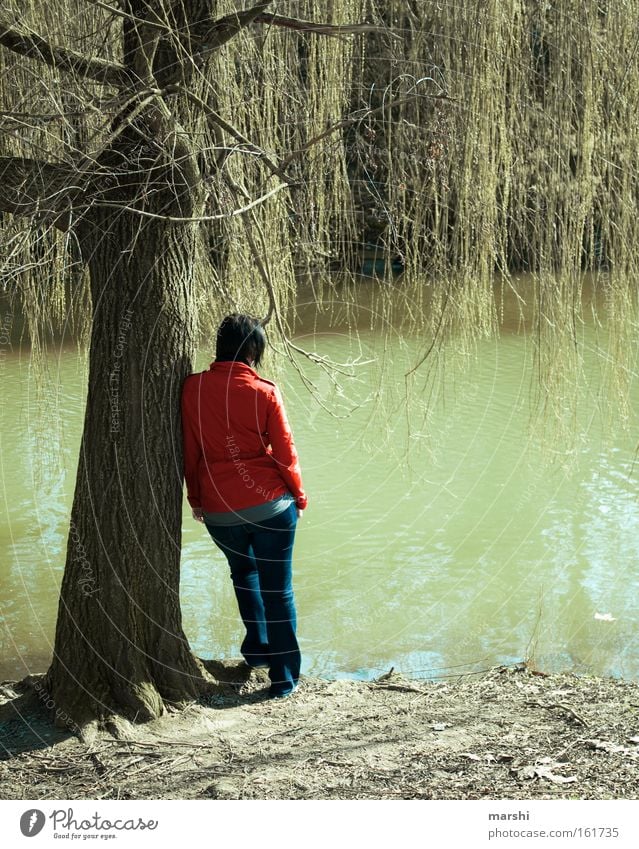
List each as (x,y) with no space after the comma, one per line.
(260,557)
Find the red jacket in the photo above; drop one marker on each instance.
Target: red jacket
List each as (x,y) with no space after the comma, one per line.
(238,446)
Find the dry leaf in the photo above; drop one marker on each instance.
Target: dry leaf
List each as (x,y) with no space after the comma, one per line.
(542,770)
(606,745)
(546,772)
(614,748)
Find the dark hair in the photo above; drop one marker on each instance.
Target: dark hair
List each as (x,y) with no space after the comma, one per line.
(240,337)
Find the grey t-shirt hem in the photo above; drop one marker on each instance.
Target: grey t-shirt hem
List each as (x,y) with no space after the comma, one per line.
(251,514)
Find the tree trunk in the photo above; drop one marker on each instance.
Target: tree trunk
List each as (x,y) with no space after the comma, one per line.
(119,645)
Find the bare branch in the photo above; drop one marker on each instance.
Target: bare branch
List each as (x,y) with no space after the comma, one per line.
(195,218)
(320,29)
(330,367)
(431,347)
(145,54)
(215,118)
(214,34)
(155,24)
(32,187)
(88,166)
(32,46)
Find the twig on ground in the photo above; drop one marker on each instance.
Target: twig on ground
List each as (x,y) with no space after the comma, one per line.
(566,708)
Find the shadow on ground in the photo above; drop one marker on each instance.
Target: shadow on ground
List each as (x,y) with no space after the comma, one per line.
(25,722)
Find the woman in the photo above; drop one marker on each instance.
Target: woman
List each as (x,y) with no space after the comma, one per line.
(243,481)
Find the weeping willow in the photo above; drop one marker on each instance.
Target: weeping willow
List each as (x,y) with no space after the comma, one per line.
(523,180)
(469,142)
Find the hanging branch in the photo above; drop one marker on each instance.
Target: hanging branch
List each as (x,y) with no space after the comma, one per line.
(33,187)
(356,118)
(215,118)
(330,367)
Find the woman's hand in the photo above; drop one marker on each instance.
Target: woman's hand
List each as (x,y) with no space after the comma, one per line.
(198,514)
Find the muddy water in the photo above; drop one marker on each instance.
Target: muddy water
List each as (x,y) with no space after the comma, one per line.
(442,535)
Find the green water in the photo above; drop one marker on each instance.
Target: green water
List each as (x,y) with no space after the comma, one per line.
(438,546)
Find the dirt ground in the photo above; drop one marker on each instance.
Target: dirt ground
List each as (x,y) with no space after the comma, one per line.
(510,734)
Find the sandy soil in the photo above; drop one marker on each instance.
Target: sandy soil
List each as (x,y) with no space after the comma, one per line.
(511,734)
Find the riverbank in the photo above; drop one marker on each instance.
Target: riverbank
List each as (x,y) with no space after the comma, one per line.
(511,734)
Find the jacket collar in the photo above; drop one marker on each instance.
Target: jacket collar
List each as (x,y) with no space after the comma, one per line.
(227,366)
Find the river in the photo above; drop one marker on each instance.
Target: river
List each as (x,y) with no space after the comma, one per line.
(443,534)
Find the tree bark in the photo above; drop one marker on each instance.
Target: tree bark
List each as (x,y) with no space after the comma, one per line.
(119,645)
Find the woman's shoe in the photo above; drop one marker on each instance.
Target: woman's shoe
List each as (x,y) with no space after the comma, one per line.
(279,694)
